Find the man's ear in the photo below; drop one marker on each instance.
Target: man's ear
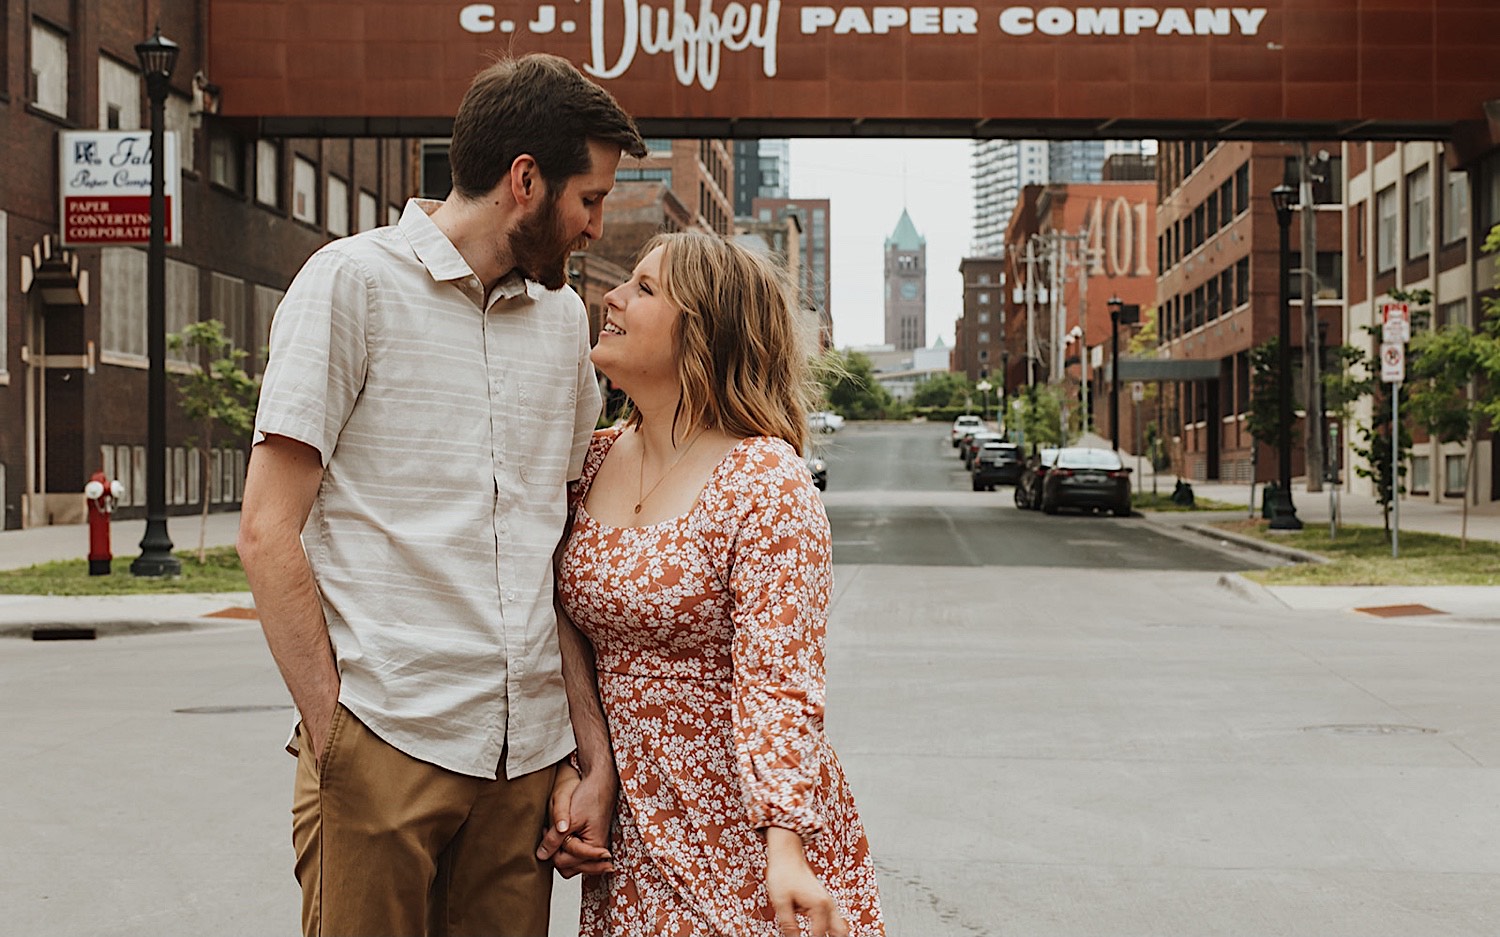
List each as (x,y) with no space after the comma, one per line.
(526,183)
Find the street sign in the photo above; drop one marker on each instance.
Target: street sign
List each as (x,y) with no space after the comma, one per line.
(1137,391)
(1395,321)
(104,187)
(1392,363)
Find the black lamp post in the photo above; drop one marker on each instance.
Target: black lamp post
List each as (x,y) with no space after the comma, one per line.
(1283,512)
(157,57)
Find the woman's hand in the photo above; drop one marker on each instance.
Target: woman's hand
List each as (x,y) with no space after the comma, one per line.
(794,889)
(577,836)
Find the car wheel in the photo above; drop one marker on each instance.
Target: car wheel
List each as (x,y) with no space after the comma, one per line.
(1122,510)
(1019,499)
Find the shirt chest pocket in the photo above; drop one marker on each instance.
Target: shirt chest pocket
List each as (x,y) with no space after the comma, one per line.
(546,404)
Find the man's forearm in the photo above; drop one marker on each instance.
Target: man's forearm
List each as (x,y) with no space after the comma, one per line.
(581,680)
(291,615)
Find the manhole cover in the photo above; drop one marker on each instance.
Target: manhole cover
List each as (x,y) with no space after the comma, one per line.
(225,710)
(235,611)
(1371,728)
(1399,611)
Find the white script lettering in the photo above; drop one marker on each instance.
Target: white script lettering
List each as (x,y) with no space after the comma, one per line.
(695,43)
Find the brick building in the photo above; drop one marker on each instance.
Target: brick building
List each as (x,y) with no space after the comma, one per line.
(979,350)
(73,342)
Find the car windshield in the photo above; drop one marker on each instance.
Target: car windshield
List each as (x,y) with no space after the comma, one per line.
(1088,458)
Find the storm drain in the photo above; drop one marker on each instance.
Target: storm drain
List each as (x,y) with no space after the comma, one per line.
(229,710)
(1371,728)
(1399,611)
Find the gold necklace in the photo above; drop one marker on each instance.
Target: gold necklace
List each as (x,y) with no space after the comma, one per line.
(641,498)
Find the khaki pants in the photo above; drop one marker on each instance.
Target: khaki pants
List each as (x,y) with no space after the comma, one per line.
(390,846)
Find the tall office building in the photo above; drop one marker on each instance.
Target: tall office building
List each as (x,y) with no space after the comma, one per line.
(1003,167)
(906,286)
(762,169)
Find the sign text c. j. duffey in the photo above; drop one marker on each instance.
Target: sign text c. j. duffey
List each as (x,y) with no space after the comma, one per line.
(696,36)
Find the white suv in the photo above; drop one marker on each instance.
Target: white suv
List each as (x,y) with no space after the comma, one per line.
(963,426)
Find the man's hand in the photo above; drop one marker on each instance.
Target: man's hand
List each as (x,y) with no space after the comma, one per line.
(577,839)
(317,723)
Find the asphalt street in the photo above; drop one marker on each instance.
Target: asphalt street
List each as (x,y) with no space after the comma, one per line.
(1037,750)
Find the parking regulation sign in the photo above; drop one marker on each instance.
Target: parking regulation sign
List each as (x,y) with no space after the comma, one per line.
(1392,363)
(1395,322)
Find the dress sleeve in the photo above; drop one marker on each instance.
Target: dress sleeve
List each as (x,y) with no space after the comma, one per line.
(780,579)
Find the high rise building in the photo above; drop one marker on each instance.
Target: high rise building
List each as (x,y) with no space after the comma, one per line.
(1003,167)
(762,169)
(813,273)
(906,286)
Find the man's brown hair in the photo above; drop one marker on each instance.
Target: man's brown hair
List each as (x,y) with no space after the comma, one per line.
(540,105)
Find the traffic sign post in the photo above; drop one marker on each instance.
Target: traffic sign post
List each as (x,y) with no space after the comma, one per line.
(1393,372)
(1395,323)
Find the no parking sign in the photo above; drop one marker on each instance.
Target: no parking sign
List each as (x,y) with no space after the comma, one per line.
(1392,363)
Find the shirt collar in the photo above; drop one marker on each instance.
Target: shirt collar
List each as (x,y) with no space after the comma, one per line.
(443,261)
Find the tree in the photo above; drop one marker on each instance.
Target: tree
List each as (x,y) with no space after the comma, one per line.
(1373,446)
(1039,414)
(1455,382)
(950,389)
(849,381)
(218,397)
(1263,419)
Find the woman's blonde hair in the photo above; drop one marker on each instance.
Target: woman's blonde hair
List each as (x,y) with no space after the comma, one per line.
(742,341)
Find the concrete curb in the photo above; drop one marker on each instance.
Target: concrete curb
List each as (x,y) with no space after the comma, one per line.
(108,629)
(1255,543)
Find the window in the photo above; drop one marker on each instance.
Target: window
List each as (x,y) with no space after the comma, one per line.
(1328,275)
(122,301)
(182,304)
(1418,212)
(179,120)
(1385,229)
(1242,189)
(1359,230)
(338,206)
(119,96)
(984,337)
(1453,476)
(984,299)
(1455,206)
(49,69)
(366,214)
(984,318)
(1242,282)
(1421,474)
(268,173)
(177,476)
(226,160)
(304,190)
(4,349)
(266,301)
(662,175)
(1489,197)
(227,304)
(437,171)
(1454,313)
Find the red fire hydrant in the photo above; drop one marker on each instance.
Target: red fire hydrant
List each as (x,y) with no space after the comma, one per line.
(101,494)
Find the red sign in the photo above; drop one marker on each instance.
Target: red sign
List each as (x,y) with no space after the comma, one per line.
(110,219)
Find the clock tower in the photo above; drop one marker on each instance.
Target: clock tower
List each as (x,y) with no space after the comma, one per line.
(906,286)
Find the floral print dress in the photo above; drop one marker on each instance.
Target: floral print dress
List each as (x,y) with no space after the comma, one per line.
(708,632)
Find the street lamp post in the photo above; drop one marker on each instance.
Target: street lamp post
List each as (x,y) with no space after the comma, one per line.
(157,57)
(984,387)
(1283,512)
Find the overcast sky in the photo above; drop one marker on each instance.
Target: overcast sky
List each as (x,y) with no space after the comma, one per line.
(869,182)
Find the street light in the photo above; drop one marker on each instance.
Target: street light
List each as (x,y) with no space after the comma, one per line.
(157,57)
(1119,313)
(1283,512)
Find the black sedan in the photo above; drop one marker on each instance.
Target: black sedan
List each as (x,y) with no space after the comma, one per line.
(1087,478)
(997,463)
(1033,473)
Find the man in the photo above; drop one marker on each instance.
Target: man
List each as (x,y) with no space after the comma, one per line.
(428,395)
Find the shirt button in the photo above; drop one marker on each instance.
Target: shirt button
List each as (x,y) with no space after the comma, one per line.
(510,595)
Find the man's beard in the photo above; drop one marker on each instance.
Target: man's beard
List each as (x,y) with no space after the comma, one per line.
(540,248)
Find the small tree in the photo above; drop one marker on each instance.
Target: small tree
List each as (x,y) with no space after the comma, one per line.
(1455,382)
(1039,414)
(1263,419)
(1373,446)
(218,396)
(849,382)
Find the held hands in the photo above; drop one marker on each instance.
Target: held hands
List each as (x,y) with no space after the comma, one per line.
(794,889)
(577,838)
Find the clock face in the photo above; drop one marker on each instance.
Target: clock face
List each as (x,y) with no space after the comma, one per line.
(908,289)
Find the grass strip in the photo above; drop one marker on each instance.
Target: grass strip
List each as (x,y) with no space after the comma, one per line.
(1361,556)
(1147,501)
(220,572)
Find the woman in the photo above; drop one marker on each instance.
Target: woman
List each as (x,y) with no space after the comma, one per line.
(699,565)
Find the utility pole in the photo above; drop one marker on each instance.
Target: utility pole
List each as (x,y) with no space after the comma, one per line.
(1312,352)
(1030,289)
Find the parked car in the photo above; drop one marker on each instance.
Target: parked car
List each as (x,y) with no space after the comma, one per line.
(818,469)
(968,448)
(968,423)
(1087,478)
(998,463)
(1033,472)
(824,421)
